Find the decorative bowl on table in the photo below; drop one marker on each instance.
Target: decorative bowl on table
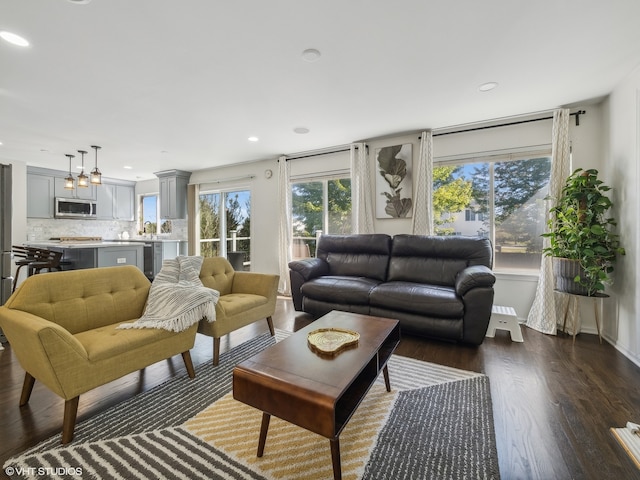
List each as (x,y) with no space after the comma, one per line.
(331,341)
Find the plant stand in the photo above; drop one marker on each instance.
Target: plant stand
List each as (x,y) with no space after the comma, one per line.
(573,300)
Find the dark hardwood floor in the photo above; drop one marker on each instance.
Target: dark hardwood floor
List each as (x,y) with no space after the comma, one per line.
(553,401)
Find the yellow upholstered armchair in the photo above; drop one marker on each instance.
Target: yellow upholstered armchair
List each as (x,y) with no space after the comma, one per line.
(62,328)
(245,297)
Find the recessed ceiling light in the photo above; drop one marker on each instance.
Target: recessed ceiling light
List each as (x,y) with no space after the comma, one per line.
(311,55)
(485,87)
(79,2)
(14,39)
(128,167)
(301,130)
(253,139)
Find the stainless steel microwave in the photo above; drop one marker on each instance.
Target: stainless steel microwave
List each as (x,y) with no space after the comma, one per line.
(75,208)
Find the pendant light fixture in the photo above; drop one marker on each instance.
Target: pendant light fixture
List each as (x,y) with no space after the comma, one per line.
(83,180)
(68,181)
(96,175)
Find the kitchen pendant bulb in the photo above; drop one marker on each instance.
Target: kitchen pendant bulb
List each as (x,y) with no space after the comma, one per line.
(96,175)
(68,181)
(83,180)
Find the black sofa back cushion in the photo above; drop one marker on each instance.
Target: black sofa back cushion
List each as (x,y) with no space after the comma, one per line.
(365,255)
(436,260)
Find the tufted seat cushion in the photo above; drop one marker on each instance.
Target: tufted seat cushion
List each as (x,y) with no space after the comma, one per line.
(236,303)
(104,342)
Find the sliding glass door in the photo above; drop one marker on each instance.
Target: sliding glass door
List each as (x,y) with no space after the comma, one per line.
(225,224)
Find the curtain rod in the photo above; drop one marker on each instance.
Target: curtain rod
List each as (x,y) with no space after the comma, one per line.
(231,179)
(577,115)
(317,154)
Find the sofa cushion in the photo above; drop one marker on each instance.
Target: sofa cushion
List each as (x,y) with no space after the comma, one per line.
(236,303)
(108,341)
(436,260)
(338,289)
(356,255)
(418,298)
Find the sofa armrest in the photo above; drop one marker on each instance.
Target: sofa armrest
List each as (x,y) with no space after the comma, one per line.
(264,284)
(301,271)
(309,268)
(42,347)
(474,277)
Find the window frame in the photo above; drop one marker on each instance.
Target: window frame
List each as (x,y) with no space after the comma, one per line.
(223,250)
(141,216)
(491,158)
(324,178)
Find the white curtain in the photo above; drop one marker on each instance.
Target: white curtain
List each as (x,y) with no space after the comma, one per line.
(422,221)
(285,229)
(361,197)
(543,315)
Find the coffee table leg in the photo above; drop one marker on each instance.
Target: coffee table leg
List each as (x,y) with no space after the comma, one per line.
(335,458)
(263,433)
(387,383)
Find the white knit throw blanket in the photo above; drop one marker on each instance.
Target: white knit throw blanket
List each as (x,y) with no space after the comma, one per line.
(177,299)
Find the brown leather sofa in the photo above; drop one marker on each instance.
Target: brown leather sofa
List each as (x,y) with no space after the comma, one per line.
(439,287)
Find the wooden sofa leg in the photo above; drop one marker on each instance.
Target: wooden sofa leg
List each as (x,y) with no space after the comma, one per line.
(270,323)
(69,422)
(27,388)
(216,350)
(186,357)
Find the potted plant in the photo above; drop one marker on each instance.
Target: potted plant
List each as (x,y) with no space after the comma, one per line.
(582,243)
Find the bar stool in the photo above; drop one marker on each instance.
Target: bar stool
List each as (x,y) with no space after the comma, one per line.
(36,260)
(27,256)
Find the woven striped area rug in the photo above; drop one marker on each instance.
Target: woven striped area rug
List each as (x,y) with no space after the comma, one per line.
(436,423)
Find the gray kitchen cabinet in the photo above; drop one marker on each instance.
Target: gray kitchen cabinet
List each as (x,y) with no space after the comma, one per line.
(105,202)
(121,255)
(40,196)
(88,193)
(115,201)
(125,202)
(173,193)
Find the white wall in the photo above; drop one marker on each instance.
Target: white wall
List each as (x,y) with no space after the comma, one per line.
(622,151)
(264,206)
(516,290)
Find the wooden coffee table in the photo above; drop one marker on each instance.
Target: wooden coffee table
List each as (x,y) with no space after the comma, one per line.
(315,391)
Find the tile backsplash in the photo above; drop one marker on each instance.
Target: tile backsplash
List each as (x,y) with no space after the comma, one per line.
(40,229)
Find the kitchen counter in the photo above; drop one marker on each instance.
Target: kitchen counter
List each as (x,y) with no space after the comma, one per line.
(147,240)
(93,254)
(55,244)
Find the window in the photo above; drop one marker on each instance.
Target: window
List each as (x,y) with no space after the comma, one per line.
(150,216)
(502,199)
(225,224)
(319,206)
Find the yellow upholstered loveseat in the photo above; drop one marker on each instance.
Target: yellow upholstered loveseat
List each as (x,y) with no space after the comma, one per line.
(62,328)
(245,297)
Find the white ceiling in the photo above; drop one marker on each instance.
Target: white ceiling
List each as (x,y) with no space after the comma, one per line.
(163,84)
